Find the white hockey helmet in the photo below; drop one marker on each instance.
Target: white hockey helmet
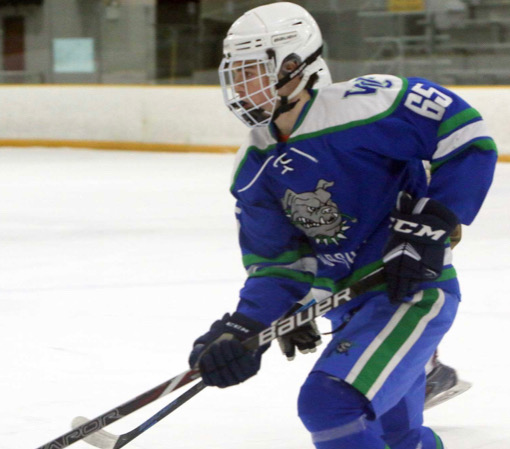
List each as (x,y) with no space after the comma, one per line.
(260,42)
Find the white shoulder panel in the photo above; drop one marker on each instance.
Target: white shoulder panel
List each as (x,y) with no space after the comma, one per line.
(360,99)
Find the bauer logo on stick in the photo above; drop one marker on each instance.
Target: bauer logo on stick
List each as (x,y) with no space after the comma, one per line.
(283,327)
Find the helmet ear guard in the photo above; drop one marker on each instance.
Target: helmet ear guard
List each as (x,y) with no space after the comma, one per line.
(307,80)
(288,76)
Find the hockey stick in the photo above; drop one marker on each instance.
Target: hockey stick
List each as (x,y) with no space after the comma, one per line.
(119,412)
(277,329)
(106,440)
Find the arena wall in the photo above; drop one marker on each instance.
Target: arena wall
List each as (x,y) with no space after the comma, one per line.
(157,118)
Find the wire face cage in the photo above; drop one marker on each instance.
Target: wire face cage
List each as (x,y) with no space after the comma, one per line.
(249,89)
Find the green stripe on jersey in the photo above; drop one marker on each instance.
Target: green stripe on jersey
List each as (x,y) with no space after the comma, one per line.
(335,286)
(286,257)
(394,341)
(439,443)
(484,144)
(457,121)
(283,273)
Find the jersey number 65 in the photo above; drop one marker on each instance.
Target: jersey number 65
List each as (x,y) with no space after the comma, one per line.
(429,102)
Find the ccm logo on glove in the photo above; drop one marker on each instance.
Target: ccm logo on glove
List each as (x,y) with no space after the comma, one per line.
(416,245)
(417,229)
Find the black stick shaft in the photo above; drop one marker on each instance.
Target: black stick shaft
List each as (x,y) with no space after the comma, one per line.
(165,411)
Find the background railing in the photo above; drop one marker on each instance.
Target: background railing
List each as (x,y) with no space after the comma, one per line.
(179,41)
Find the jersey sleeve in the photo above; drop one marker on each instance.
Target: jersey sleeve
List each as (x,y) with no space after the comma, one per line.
(463,161)
(280,264)
(442,128)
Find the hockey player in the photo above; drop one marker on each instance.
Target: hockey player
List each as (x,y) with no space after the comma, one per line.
(330,187)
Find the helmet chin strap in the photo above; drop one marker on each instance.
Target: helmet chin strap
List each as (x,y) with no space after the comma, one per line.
(283,107)
(285,104)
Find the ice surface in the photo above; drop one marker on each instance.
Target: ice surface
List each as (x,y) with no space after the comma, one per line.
(111,263)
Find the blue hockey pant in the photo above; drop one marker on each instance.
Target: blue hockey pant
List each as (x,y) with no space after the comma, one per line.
(367,389)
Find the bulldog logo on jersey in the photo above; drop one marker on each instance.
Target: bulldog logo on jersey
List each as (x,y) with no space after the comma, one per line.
(316,214)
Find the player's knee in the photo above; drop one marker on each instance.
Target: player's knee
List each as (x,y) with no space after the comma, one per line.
(325,402)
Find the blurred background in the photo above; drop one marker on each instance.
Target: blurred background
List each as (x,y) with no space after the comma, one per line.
(179,41)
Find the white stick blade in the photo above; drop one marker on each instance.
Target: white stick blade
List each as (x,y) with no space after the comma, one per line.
(101,438)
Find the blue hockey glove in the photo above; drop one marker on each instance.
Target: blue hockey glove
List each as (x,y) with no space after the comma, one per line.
(222,359)
(305,338)
(415,250)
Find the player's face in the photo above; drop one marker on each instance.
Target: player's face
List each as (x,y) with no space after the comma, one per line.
(252,83)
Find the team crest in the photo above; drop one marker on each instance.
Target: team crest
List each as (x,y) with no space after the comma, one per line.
(316,214)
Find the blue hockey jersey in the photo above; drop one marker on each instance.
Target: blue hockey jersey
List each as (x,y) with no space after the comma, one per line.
(314,210)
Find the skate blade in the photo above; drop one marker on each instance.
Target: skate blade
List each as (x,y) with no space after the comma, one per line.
(460,387)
